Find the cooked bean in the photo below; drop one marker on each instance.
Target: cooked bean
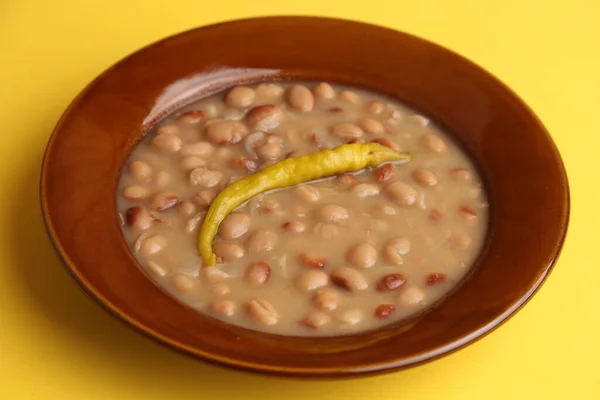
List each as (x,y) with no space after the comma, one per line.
(357,141)
(269,152)
(333,212)
(460,240)
(294,226)
(378,225)
(213,110)
(324,91)
(234,225)
(371,126)
(362,255)
(164,201)
(225,308)
(136,192)
(191,117)
(393,115)
(435,278)
(205,197)
(386,142)
(307,193)
(187,208)
(384,173)
(140,171)
(401,193)
(167,143)
(395,249)
(375,107)
(156,268)
(384,311)
(258,273)
(213,274)
(267,206)
(351,316)
(261,240)
(327,299)
(228,251)
(425,177)
(410,296)
(468,213)
(365,190)
(434,143)
(383,209)
(269,90)
(189,163)
(316,320)
(199,149)
(193,222)
(264,117)
(262,311)
(139,218)
(225,132)
(349,279)
(299,211)
(220,289)
(153,245)
(461,174)
(326,231)
(223,154)
(347,180)
(311,279)
(349,96)
(346,131)
(169,129)
(435,215)
(300,98)
(205,177)
(240,97)
(182,283)
(232,114)
(313,260)
(247,163)
(163,178)
(391,282)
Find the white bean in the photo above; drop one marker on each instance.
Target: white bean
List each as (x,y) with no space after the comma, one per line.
(410,296)
(240,97)
(324,91)
(199,149)
(333,212)
(261,240)
(167,143)
(401,193)
(234,225)
(140,171)
(182,283)
(228,251)
(300,98)
(362,255)
(225,308)
(311,279)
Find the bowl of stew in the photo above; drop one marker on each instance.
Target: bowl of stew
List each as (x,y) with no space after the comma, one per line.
(340,267)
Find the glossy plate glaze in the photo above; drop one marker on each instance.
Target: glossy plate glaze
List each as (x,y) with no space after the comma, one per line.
(525,179)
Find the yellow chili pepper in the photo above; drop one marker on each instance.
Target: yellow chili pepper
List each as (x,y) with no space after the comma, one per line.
(290,172)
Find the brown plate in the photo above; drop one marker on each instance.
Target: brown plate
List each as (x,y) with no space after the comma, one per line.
(522,168)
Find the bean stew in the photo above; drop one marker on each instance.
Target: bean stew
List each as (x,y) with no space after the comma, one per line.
(338,255)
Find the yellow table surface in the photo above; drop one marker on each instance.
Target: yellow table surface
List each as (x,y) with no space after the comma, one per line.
(56,343)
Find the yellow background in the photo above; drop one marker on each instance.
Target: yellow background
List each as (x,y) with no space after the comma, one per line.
(56,343)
